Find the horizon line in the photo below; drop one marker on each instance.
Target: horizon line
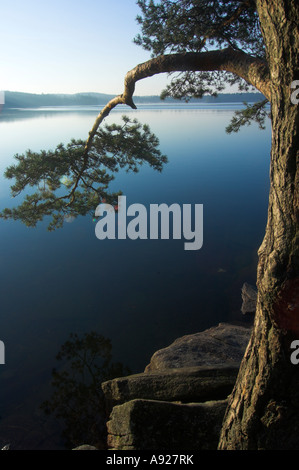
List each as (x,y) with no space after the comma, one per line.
(111,94)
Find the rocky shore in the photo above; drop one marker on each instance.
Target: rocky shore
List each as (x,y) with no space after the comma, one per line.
(179,401)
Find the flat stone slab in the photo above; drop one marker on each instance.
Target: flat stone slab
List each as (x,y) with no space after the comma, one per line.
(249,298)
(219,345)
(152,425)
(187,384)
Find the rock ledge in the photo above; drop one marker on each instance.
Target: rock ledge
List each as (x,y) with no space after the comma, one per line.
(179,401)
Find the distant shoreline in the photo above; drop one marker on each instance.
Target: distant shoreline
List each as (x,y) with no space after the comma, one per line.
(14,99)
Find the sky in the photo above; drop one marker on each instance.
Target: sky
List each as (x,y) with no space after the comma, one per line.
(71,46)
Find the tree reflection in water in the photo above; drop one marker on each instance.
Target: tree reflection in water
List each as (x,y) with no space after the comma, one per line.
(77,400)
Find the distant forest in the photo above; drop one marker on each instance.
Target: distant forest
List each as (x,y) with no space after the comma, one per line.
(14,99)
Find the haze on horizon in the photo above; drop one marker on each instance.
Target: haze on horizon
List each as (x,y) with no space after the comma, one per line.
(66,46)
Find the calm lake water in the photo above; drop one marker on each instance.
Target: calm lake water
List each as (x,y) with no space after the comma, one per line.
(141,294)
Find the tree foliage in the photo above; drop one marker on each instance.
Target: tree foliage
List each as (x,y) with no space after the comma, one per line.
(257,112)
(66,184)
(172,26)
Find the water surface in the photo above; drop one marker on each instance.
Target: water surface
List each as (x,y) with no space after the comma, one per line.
(141,294)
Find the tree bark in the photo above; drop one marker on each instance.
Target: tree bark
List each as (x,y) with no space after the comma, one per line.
(263,410)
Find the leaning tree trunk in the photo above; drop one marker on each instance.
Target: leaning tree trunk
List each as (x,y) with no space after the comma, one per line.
(263,411)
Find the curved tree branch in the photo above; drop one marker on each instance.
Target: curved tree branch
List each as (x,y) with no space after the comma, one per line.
(251,69)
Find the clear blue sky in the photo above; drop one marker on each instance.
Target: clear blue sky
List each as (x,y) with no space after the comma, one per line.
(70,46)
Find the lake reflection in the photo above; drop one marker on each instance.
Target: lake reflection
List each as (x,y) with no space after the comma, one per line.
(141,294)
